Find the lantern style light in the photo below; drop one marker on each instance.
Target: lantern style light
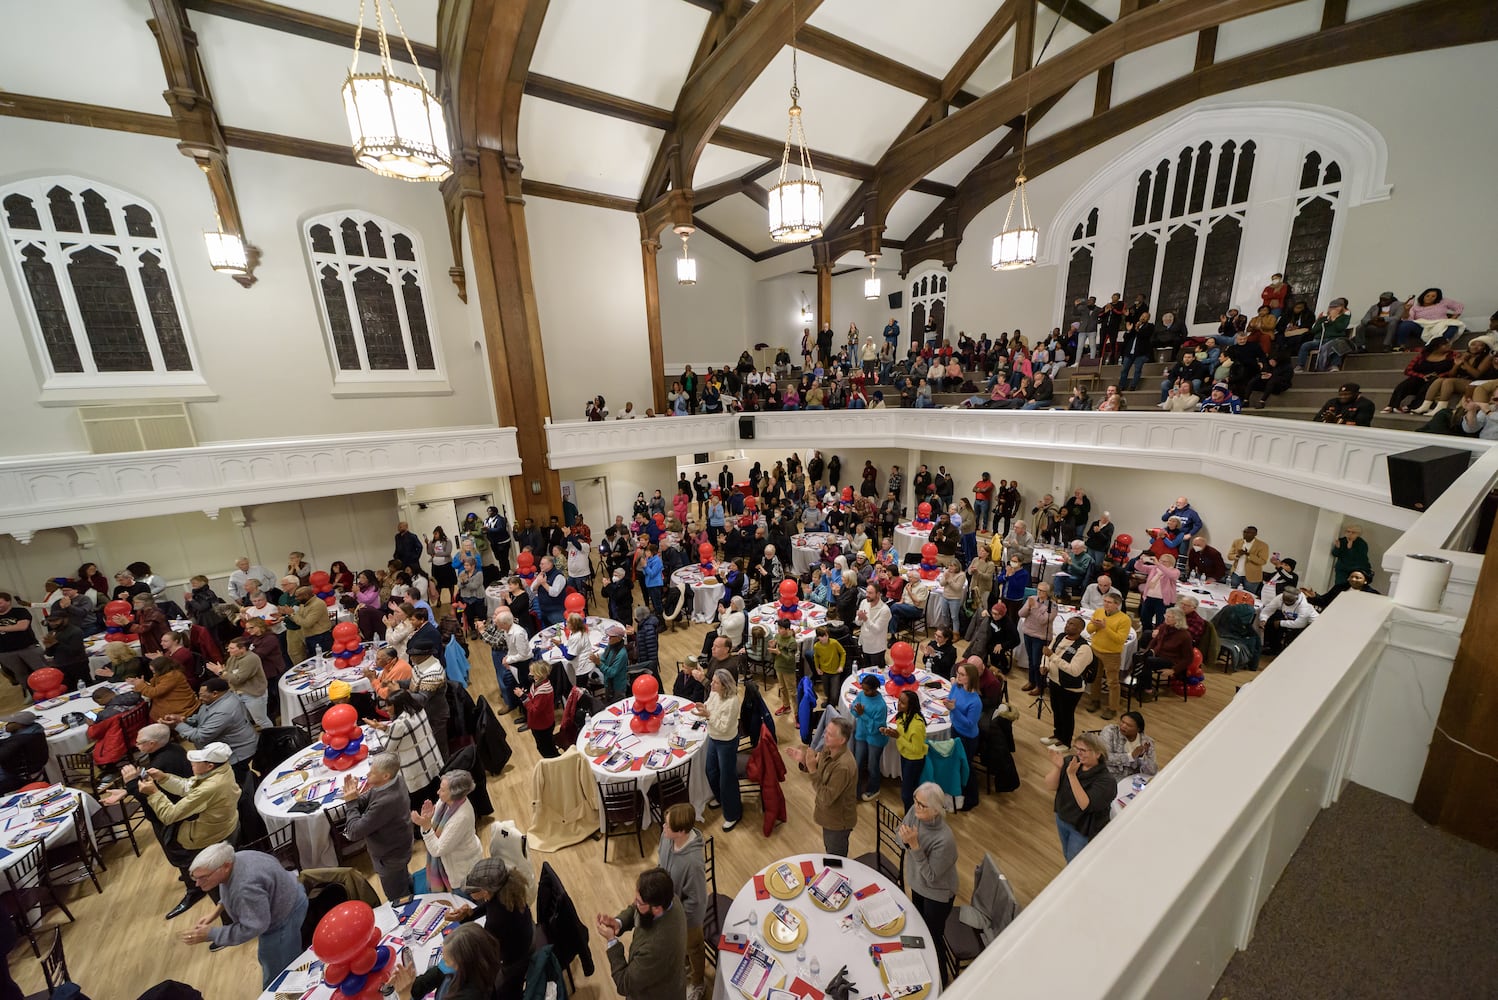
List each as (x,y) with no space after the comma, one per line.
(1017,245)
(871,283)
(226,252)
(686,267)
(795,201)
(396,125)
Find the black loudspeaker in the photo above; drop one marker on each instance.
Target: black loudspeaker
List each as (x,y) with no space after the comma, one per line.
(895,298)
(1417,478)
(699,458)
(746,428)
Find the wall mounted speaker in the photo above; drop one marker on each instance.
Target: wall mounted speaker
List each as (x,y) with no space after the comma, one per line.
(1417,478)
(746,428)
(895,299)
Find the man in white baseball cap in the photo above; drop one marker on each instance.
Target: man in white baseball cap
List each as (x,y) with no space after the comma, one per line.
(195,812)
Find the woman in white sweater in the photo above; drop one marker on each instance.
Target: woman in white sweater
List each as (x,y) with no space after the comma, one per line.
(447,830)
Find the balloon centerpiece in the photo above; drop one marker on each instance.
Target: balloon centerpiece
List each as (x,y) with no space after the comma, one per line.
(922,520)
(930,569)
(322,586)
(789,608)
(646,708)
(48,682)
(525,567)
(1119,552)
(706,554)
(342,737)
(575,604)
(356,964)
(348,650)
(118,609)
(901,670)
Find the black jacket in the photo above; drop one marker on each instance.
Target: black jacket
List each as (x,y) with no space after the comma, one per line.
(408,548)
(557,915)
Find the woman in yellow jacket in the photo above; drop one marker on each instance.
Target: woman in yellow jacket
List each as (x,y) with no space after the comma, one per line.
(909,731)
(1109,630)
(830,658)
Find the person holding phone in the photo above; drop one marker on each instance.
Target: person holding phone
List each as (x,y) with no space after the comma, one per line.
(1084,792)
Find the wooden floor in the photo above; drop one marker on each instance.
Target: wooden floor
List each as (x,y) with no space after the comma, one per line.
(120,945)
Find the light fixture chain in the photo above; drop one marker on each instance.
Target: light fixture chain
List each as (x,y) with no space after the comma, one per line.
(358,34)
(395,14)
(1024,138)
(384,39)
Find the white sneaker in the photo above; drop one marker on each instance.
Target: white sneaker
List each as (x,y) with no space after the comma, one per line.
(729,824)
(868,796)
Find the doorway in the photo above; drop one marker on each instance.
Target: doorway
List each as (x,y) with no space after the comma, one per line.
(592,498)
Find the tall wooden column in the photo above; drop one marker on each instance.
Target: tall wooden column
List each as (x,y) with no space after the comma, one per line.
(650,248)
(487,183)
(1461,772)
(824,296)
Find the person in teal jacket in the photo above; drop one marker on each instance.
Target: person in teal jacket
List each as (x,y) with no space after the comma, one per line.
(613,664)
(869,716)
(966,705)
(946,764)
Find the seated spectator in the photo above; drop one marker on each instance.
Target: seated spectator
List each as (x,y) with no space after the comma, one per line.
(1170,648)
(1274,376)
(1262,328)
(1348,407)
(1329,327)
(1285,617)
(1181,399)
(1189,370)
(1074,575)
(1221,400)
(23,752)
(1356,580)
(1129,750)
(220,718)
(1475,364)
(1470,419)
(1112,401)
(1429,318)
(1434,361)
(167,688)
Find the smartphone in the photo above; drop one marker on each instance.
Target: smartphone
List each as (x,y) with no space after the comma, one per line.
(911,941)
(738,940)
(833,862)
(406,956)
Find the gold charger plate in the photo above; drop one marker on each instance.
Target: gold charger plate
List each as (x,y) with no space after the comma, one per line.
(777,887)
(774,929)
(920,994)
(829,909)
(890,929)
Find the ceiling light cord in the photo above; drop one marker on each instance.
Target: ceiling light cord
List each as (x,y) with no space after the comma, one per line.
(1024,140)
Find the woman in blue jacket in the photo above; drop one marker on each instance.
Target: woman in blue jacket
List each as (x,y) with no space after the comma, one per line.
(966,705)
(869,716)
(1012,581)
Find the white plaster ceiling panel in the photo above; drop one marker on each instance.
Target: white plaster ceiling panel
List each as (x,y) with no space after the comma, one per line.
(1066,35)
(741,219)
(719,163)
(580,149)
(954,170)
(302,97)
(418,17)
(108,57)
(1358,9)
(843,113)
(1268,28)
(1073,108)
(835,190)
(639,49)
(995,70)
(907,213)
(1143,71)
(927,37)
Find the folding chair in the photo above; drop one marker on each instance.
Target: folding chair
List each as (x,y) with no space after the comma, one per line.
(623,812)
(671,788)
(31,892)
(280,843)
(887,837)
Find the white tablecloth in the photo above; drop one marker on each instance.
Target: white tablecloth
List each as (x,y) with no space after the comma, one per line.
(21,823)
(806,549)
(1127,793)
(280,791)
(617,718)
(705,596)
(308,675)
(542,646)
(813,617)
(62,738)
(1045,557)
(1211,597)
(908,539)
(826,941)
(424,951)
(1065,611)
(938,720)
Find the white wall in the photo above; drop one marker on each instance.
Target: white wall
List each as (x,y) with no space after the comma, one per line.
(711,322)
(625,479)
(590,296)
(1418,237)
(263,349)
(777,306)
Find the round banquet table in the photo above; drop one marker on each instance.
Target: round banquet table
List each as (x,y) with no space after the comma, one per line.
(1127,792)
(938,720)
(909,539)
(94,644)
(309,675)
(806,549)
(598,631)
(290,781)
(1211,597)
(425,948)
(1065,611)
(637,748)
(61,737)
(827,942)
(45,814)
(1045,556)
(813,617)
(705,596)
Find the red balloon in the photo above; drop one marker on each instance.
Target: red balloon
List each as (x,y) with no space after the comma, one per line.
(705,552)
(750,503)
(343,932)
(333,973)
(576,604)
(1125,540)
(363,963)
(356,659)
(374,936)
(319,580)
(646,689)
(789,594)
(336,742)
(660,520)
(526,562)
(924,510)
(847,494)
(346,632)
(45,683)
(339,719)
(902,655)
(928,552)
(114,608)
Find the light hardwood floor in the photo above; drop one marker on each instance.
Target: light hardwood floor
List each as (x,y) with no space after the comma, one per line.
(120,945)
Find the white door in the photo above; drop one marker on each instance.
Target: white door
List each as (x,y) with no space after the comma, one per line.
(592,499)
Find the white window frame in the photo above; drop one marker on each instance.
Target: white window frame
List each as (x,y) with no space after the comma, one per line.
(945,297)
(365,380)
(92,385)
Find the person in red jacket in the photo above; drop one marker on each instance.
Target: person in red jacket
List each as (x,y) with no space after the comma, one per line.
(768,769)
(541,709)
(107,735)
(983,492)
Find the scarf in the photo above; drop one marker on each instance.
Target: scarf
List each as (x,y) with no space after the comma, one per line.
(437,877)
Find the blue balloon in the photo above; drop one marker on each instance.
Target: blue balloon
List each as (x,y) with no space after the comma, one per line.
(352,747)
(329,754)
(353,984)
(383,956)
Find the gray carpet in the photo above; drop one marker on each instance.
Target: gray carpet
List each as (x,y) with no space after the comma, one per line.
(1376,903)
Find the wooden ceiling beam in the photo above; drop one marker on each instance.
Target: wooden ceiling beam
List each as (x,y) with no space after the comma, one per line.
(1024,39)
(748,142)
(305,24)
(923,152)
(665,166)
(1206,47)
(561,192)
(1333,13)
(1078,13)
(724,239)
(574,95)
(989,36)
(200,136)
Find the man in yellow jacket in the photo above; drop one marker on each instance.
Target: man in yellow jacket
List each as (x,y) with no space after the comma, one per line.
(194,812)
(1109,630)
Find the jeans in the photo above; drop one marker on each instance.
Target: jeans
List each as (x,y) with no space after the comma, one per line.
(1166,383)
(1064,584)
(1034,650)
(868,756)
(1137,363)
(954,611)
(831,685)
(1072,840)
(395,880)
(1037,404)
(982,507)
(969,541)
(1151,613)
(723,776)
(279,946)
(1241,583)
(653,595)
(903,615)
(910,780)
(923,403)
(506,678)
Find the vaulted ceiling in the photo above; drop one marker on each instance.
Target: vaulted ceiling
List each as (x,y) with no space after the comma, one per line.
(911,110)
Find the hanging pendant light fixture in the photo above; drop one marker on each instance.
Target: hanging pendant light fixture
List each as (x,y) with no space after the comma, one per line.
(871,283)
(1018,243)
(226,252)
(397,125)
(686,267)
(795,202)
